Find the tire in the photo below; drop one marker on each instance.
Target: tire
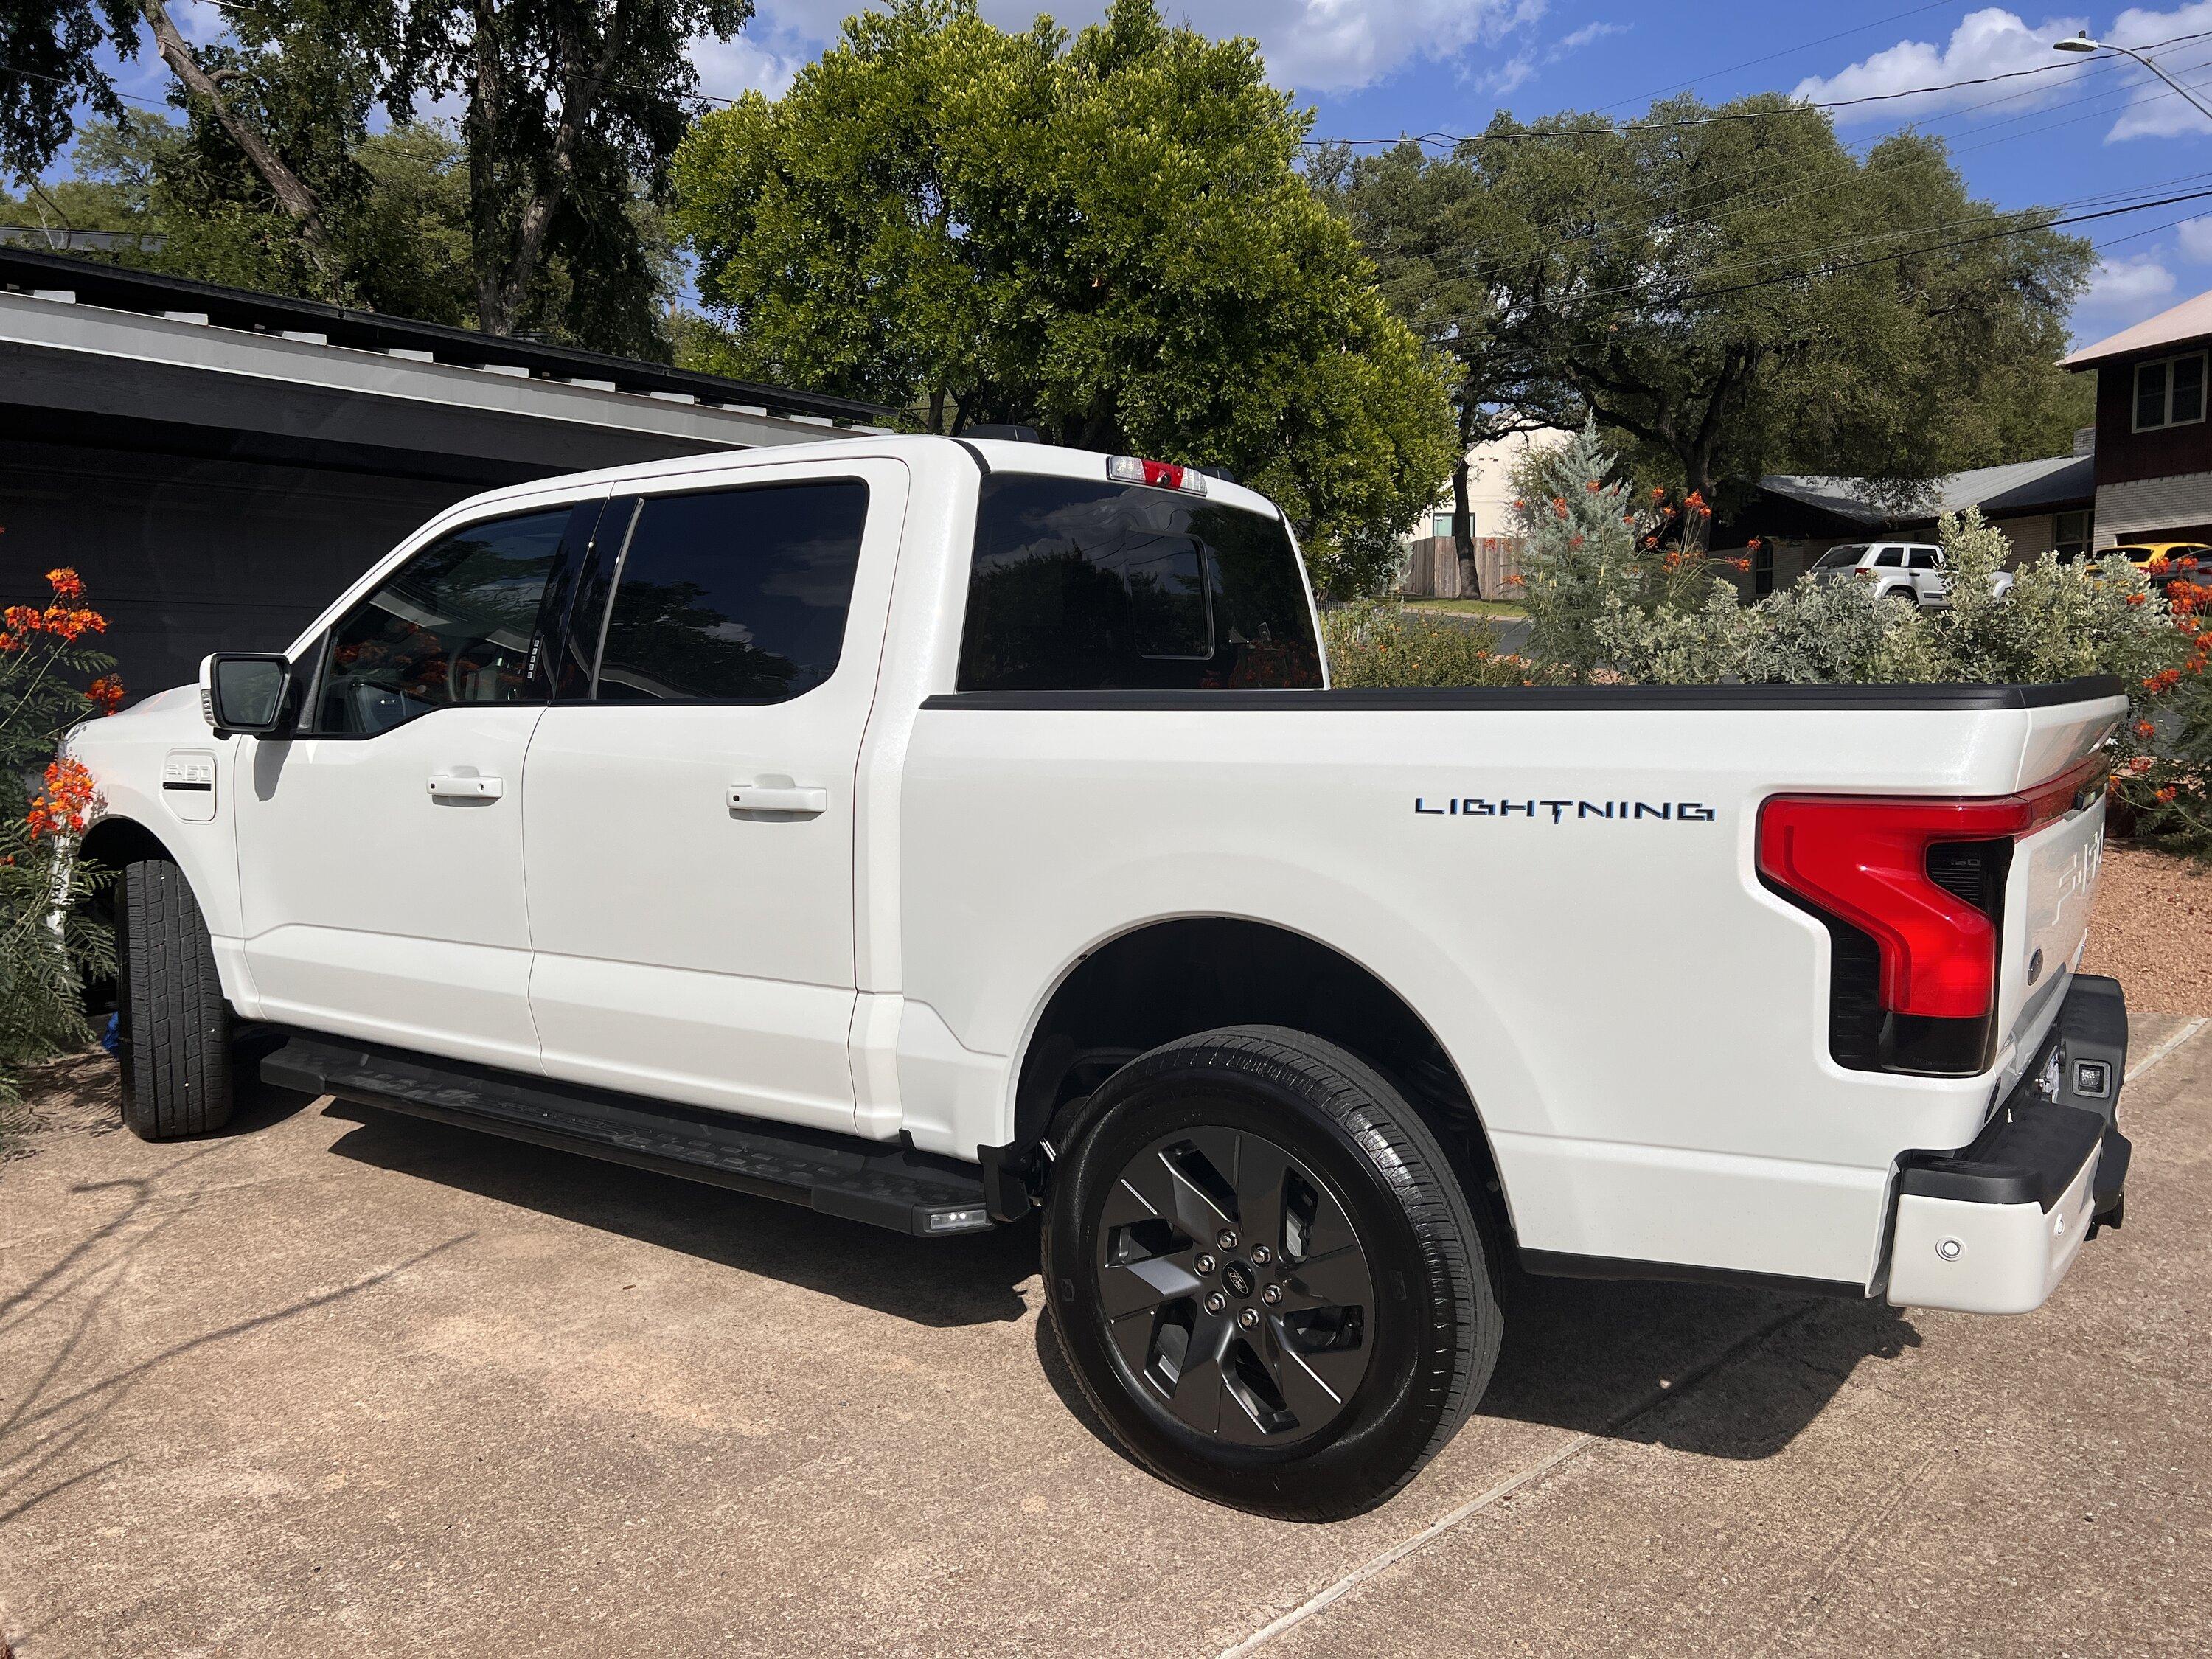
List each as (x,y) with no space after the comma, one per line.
(172,1026)
(1363,1366)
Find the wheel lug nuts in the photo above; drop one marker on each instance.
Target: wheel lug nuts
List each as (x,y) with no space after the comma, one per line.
(1204,1264)
(1261,1254)
(1248,1318)
(1226,1239)
(1271,1295)
(1216,1303)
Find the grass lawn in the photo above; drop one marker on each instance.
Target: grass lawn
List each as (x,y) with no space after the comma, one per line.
(1498,607)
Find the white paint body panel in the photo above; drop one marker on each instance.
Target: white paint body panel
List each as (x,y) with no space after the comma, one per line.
(1641,1023)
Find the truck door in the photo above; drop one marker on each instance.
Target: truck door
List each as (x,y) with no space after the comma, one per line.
(379,848)
(689,824)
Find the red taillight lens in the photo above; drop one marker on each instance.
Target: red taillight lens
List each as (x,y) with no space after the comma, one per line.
(1865,861)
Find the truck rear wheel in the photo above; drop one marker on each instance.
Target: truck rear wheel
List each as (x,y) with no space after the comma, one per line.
(1266,1275)
(172,1026)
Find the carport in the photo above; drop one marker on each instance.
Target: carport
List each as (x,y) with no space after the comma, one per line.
(217,462)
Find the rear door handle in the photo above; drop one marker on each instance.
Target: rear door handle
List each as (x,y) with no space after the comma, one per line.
(465,786)
(765,798)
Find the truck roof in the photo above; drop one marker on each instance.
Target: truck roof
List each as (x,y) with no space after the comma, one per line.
(990,454)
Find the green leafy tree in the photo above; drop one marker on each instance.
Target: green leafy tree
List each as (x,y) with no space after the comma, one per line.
(1104,237)
(574,108)
(1731,291)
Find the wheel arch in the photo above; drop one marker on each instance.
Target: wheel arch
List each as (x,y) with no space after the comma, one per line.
(1168,978)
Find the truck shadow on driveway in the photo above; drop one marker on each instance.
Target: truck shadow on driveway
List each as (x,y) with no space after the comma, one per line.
(1581,1355)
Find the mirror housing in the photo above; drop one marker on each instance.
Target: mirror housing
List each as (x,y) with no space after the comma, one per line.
(247,692)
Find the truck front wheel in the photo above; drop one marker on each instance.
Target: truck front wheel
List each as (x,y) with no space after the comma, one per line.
(173,1026)
(1266,1276)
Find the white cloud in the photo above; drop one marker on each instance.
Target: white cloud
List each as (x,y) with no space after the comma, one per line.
(2125,291)
(1314,46)
(1587,34)
(2155,112)
(2194,236)
(1991,41)
(745,63)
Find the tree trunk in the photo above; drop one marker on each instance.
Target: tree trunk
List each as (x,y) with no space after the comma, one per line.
(485,112)
(1463,523)
(292,193)
(581,90)
(937,410)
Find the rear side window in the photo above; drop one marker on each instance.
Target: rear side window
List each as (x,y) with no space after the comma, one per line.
(733,596)
(1924,558)
(1890,558)
(457,623)
(1081,586)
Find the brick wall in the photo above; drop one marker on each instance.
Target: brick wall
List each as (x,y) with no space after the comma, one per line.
(2143,507)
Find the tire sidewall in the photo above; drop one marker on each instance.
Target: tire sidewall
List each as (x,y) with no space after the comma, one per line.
(1393,1418)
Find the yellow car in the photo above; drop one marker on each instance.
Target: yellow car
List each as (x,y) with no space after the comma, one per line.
(2165,560)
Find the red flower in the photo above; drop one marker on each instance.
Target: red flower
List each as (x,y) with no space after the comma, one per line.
(67,584)
(107,693)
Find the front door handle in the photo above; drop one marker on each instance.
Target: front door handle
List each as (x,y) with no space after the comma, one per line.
(774,798)
(465,786)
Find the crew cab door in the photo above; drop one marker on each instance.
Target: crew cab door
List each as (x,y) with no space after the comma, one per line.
(687,828)
(379,848)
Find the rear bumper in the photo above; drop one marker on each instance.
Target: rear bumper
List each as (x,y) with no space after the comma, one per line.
(1993,1227)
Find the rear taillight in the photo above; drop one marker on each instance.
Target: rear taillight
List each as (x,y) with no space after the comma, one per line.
(1923,883)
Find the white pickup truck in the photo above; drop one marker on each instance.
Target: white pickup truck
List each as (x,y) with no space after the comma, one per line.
(935,831)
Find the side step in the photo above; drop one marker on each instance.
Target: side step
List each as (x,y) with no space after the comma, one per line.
(877,1182)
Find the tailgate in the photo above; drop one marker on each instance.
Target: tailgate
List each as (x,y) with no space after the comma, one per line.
(2054,871)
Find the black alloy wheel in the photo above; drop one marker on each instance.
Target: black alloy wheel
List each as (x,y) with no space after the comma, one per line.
(1266,1274)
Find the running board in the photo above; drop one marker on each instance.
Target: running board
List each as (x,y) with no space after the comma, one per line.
(880,1182)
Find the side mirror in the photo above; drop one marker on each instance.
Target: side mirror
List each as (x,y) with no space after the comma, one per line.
(242,691)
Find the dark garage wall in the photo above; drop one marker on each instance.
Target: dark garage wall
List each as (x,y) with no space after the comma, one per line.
(185,554)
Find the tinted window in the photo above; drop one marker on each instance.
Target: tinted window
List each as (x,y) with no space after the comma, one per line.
(1924,558)
(1890,558)
(1836,558)
(457,623)
(738,595)
(1097,587)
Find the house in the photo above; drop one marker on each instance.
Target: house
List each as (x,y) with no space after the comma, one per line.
(1795,518)
(218,464)
(2154,443)
(1432,561)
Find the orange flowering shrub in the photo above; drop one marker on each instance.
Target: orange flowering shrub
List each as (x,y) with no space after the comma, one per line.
(2167,780)
(52,678)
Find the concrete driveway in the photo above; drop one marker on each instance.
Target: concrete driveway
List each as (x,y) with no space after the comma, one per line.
(346,1383)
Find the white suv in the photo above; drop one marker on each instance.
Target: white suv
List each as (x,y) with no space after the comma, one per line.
(1900,570)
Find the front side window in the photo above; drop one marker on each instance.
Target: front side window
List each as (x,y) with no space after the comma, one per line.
(2170,393)
(733,595)
(457,623)
(1083,587)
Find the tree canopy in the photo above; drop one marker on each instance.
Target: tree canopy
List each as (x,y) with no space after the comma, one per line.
(1105,237)
(1730,290)
(275,177)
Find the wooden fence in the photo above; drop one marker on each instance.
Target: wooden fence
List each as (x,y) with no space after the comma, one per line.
(1432,572)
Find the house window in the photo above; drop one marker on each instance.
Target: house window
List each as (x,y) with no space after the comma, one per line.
(2070,534)
(1442,525)
(2170,393)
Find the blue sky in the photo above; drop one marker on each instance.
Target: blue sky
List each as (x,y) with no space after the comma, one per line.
(1371,69)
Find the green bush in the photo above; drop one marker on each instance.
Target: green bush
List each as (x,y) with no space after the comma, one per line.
(1385,644)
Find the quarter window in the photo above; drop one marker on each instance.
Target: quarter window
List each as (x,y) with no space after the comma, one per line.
(457,623)
(2170,393)
(733,596)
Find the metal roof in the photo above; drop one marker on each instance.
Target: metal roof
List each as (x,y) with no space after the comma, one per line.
(2177,326)
(2016,487)
(120,288)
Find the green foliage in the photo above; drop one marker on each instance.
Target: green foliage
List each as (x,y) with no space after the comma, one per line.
(1105,237)
(1377,644)
(52,50)
(50,942)
(1573,265)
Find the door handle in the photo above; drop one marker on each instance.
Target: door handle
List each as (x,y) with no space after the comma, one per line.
(766,797)
(469,786)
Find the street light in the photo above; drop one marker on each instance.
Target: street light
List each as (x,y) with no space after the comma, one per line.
(2082,42)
